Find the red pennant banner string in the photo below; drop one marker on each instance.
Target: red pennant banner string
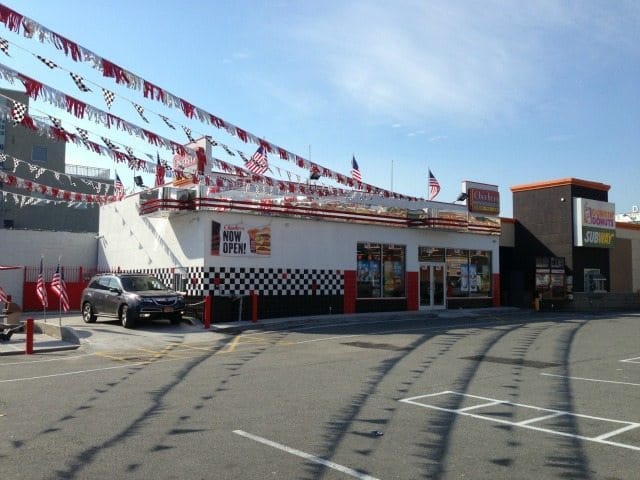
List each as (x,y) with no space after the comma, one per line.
(112,70)
(153,92)
(68,46)
(33,87)
(13,20)
(10,18)
(75,106)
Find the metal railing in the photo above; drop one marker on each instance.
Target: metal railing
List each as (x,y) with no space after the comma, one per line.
(85,171)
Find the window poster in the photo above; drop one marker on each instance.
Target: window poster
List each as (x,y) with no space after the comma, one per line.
(239,240)
(464,277)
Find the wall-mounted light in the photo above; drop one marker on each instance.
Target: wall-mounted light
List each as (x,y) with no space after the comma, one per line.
(562,199)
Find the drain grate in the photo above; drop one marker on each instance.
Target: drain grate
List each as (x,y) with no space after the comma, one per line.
(377,346)
(511,361)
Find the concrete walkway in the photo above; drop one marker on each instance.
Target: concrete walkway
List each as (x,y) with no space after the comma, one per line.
(66,332)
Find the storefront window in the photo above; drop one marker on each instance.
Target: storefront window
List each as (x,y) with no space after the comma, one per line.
(380,271)
(393,271)
(457,272)
(480,273)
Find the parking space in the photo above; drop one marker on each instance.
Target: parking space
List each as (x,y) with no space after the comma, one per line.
(545,420)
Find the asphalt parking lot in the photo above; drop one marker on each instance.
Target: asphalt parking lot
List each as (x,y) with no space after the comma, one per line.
(490,395)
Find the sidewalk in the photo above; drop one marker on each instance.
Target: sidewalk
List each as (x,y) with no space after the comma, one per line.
(60,334)
(48,337)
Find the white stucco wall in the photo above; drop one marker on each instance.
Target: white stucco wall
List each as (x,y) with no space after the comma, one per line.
(25,247)
(131,241)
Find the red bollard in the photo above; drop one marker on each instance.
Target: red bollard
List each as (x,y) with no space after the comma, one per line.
(28,348)
(254,306)
(207,311)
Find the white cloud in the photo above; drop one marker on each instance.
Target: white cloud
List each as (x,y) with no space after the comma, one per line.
(473,62)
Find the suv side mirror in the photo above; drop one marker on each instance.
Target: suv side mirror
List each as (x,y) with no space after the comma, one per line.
(115,290)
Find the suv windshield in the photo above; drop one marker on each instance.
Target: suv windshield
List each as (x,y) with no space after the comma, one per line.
(142,283)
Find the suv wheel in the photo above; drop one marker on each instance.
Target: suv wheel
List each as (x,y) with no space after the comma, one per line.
(87,313)
(126,317)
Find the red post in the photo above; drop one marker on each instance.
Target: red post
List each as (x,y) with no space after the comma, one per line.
(350,291)
(208,300)
(495,288)
(254,306)
(28,348)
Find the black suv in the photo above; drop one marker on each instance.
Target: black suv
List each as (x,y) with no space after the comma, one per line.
(130,297)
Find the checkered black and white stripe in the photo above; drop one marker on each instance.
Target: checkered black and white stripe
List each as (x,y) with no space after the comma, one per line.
(166,120)
(234,281)
(18,112)
(187,132)
(47,62)
(4,46)
(140,111)
(79,81)
(109,143)
(109,97)
(56,121)
(84,135)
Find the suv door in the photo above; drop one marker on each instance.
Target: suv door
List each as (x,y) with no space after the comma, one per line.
(112,296)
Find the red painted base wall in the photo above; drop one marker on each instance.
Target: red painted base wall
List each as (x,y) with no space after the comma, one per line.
(495,289)
(350,290)
(31,302)
(412,291)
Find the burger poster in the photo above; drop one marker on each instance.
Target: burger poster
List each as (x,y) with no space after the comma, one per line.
(240,240)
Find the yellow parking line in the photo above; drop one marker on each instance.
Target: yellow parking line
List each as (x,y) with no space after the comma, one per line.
(158,353)
(232,345)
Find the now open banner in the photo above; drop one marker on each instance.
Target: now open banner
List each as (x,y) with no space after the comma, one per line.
(240,240)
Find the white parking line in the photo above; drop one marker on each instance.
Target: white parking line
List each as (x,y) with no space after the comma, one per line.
(528,423)
(591,379)
(631,360)
(306,456)
(78,372)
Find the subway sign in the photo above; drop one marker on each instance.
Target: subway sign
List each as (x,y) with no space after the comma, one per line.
(594,223)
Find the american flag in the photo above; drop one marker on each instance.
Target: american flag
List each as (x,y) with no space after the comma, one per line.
(258,162)
(434,186)
(60,288)
(159,171)
(3,296)
(118,187)
(41,289)
(355,170)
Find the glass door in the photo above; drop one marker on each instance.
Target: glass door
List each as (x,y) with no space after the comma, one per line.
(432,286)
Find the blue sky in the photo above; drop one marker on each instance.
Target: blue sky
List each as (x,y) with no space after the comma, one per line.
(500,92)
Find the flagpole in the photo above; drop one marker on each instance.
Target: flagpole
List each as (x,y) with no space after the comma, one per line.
(60,296)
(391,189)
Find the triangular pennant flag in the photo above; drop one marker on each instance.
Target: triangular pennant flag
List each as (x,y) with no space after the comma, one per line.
(166,120)
(47,62)
(84,135)
(79,82)
(109,97)
(109,143)
(56,122)
(4,46)
(18,112)
(140,111)
(211,141)
(187,132)
(228,150)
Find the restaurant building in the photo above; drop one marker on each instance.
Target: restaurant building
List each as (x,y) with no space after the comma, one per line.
(264,251)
